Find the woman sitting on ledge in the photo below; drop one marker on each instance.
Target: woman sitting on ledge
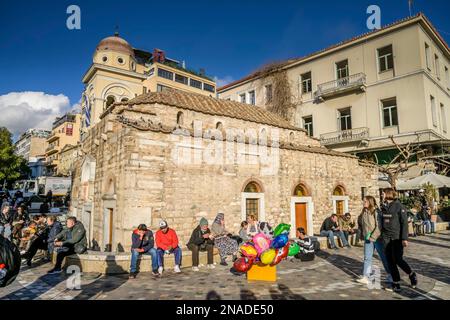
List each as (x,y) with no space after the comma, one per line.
(222,239)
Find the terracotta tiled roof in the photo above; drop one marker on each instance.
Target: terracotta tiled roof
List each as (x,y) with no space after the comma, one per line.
(285,63)
(213,106)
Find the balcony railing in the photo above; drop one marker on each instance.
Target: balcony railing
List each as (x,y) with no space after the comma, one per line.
(353,82)
(344,136)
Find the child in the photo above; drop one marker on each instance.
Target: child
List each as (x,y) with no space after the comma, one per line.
(27,235)
(243,232)
(306,246)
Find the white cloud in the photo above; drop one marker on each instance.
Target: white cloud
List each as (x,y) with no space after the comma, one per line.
(223,81)
(20,111)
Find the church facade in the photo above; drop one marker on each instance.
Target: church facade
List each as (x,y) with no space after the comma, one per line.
(180,156)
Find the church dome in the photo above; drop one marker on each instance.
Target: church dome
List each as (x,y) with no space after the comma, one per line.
(115,43)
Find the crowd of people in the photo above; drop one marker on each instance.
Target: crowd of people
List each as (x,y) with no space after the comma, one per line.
(382,229)
(41,231)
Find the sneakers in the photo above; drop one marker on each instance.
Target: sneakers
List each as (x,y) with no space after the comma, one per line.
(363,280)
(195,269)
(132,276)
(348,246)
(155,273)
(160,270)
(210,266)
(394,287)
(54,271)
(334,248)
(413,279)
(176,269)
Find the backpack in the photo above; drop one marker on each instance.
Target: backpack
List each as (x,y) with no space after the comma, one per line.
(10,257)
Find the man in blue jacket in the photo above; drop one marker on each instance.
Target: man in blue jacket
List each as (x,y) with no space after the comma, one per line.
(143,243)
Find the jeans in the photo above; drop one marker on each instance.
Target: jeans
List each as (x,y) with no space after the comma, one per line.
(369,247)
(394,257)
(176,252)
(196,251)
(61,255)
(330,235)
(429,226)
(135,255)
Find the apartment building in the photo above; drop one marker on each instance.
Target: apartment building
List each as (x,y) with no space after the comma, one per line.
(32,143)
(65,131)
(354,95)
(120,72)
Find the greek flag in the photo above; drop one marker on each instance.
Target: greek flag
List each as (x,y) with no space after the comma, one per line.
(87,111)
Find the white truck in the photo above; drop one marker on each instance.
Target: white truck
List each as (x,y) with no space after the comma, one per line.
(40,186)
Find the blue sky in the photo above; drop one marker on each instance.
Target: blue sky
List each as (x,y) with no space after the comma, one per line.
(228,38)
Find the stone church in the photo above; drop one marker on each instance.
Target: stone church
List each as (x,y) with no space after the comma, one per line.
(180,156)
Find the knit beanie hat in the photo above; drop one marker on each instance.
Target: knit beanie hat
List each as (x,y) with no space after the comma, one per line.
(203,222)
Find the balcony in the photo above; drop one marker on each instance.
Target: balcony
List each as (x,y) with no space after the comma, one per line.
(353,83)
(345,136)
(52,137)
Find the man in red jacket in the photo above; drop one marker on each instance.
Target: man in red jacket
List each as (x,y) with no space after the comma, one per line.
(167,243)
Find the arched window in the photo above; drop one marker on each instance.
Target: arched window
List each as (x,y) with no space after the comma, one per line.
(252,187)
(339,191)
(253,203)
(109,101)
(180,118)
(219,125)
(301,191)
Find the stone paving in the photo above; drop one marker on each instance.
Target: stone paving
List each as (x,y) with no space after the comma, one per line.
(330,276)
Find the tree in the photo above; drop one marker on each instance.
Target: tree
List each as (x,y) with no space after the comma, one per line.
(12,166)
(400,163)
(283,101)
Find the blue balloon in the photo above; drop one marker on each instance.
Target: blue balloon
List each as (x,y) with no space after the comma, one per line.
(280,241)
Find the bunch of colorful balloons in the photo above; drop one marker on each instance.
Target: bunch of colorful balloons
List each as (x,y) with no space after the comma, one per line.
(267,250)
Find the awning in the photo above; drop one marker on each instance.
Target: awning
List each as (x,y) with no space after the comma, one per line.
(437,180)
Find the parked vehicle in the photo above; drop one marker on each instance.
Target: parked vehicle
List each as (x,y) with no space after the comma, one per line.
(41,186)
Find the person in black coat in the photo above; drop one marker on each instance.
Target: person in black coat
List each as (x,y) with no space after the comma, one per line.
(394,233)
(201,240)
(39,240)
(6,220)
(55,227)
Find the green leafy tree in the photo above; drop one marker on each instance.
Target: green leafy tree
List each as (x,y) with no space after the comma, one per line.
(12,166)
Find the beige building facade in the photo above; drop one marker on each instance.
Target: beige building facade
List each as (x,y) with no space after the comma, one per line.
(32,143)
(181,156)
(354,95)
(67,157)
(65,131)
(120,72)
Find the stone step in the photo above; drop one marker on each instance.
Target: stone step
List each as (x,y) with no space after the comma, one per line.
(116,263)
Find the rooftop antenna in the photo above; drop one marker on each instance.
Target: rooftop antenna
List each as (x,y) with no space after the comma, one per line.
(410,4)
(116,33)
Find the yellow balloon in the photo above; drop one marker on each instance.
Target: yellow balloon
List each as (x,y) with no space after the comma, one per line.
(268,256)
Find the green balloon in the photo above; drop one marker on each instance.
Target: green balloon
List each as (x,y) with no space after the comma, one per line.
(281,228)
(294,248)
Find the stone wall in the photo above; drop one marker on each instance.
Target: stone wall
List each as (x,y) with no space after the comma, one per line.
(136,175)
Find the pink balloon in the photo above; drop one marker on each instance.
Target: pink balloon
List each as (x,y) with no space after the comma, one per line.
(261,242)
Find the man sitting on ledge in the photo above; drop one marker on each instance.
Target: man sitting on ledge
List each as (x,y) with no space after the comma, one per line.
(69,241)
(142,243)
(167,243)
(201,240)
(330,229)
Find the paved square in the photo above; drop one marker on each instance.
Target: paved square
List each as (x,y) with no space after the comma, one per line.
(330,276)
